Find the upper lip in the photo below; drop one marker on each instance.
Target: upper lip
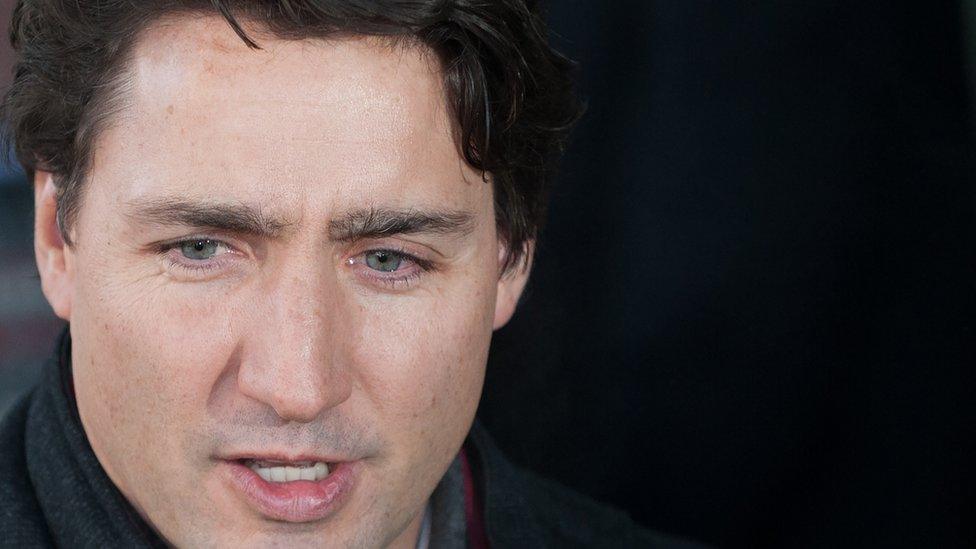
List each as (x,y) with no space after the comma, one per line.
(283,456)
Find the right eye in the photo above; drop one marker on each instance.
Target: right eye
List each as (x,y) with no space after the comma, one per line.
(197,256)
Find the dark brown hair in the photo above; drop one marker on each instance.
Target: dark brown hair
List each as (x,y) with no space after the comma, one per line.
(511,94)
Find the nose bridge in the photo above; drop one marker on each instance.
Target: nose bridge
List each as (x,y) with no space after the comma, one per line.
(300,306)
(294,368)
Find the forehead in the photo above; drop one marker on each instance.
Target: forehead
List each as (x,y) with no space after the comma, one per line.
(350,117)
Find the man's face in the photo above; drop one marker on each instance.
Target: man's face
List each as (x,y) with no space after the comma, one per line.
(280,260)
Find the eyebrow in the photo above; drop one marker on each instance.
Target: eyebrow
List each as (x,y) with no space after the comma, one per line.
(238,218)
(380,222)
(246,219)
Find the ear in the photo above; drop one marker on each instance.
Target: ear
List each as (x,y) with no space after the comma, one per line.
(511,284)
(53,256)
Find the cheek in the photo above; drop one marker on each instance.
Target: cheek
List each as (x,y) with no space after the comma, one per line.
(424,369)
(152,346)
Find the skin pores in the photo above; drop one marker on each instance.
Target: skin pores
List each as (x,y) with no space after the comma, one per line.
(226,300)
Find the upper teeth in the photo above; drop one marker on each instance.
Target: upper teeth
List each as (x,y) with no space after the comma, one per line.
(316,471)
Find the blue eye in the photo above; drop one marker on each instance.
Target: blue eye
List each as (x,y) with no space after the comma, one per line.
(383,260)
(199,250)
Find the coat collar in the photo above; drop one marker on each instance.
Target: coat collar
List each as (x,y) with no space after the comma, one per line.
(508,517)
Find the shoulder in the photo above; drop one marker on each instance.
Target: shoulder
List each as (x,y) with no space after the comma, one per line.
(574,520)
(521,507)
(21,519)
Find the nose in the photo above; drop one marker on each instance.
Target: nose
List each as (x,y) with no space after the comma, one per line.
(291,362)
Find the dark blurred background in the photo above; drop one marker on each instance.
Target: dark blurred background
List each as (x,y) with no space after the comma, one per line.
(751,317)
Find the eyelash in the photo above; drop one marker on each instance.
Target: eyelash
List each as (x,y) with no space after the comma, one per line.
(192,267)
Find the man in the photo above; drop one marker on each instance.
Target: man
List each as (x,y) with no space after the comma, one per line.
(282,234)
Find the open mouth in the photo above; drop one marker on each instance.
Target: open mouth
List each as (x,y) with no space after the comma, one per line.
(300,489)
(280,471)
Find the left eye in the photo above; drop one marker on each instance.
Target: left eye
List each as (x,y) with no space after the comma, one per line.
(200,249)
(383,260)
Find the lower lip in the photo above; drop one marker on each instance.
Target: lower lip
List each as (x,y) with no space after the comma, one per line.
(296,501)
